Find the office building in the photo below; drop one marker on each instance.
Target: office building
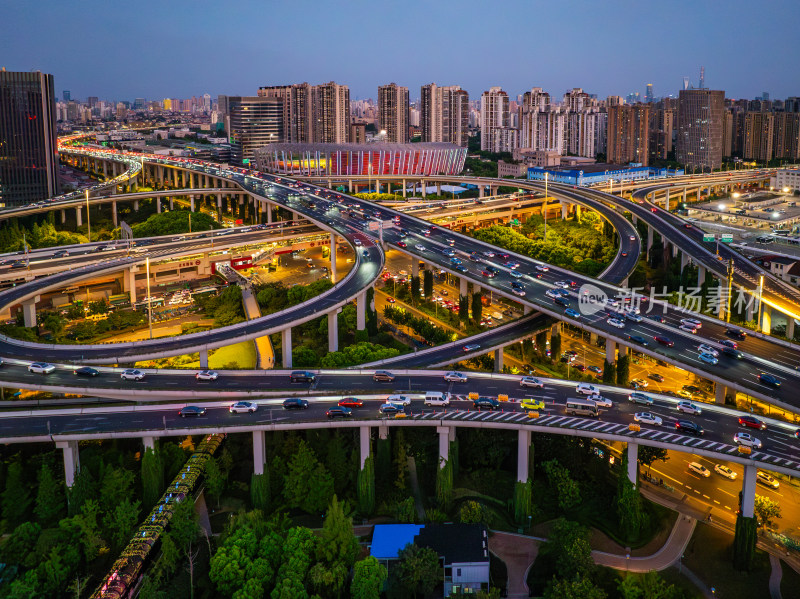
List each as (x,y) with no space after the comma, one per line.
(628,134)
(758,136)
(28,151)
(67,95)
(700,128)
(253,122)
(648,94)
(444,114)
(393,109)
(494,115)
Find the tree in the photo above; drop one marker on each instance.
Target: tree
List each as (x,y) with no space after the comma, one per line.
(415,295)
(623,370)
(304,357)
(569,549)
(259,490)
(473,512)
(427,284)
(630,511)
(16,498)
(477,307)
(766,511)
(368,578)
(580,588)
(124,520)
(418,570)
(337,541)
(555,347)
(307,484)
(152,476)
(647,455)
(463,308)
(648,586)
(49,498)
(216,479)
(366,487)
(569,494)
(609,373)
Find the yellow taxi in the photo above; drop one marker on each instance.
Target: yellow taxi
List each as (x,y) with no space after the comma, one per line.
(532,404)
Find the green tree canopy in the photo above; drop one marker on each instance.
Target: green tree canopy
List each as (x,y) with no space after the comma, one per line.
(307,484)
(418,570)
(368,578)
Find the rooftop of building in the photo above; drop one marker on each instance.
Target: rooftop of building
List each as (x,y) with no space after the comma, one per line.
(360,147)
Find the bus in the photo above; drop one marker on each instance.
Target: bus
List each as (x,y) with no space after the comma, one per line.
(581,407)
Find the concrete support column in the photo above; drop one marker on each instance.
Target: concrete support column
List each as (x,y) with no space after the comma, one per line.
(364,444)
(361,311)
(414,266)
(674,250)
(29,312)
(333,257)
(377,186)
(633,464)
(136,205)
(114,213)
(424,187)
(766,319)
(383,433)
(684,259)
(462,286)
(204,358)
(701,275)
(158,205)
(333,330)
(720,391)
(611,351)
(269,213)
(172,204)
(444,444)
(350,186)
(480,191)
(78,215)
(649,238)
(130,283)
(749,308)
(191,202)
(498,359)
(789,328)
(749,491)
(666,200)
(149,443)
(493,190)
(622,350)
(72,460)
(526,309)
(684,195)
(564,210)
(523,451)
(286,347)
(404,189)
(63,216)
(259,452)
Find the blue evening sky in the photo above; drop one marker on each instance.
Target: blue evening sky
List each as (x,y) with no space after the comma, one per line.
(178,48)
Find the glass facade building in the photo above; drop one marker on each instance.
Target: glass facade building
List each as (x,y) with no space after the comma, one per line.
(28,152)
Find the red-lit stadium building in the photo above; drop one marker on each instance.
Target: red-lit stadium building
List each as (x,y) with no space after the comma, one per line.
(361,159)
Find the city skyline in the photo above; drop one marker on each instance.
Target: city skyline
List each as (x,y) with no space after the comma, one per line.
(196,56)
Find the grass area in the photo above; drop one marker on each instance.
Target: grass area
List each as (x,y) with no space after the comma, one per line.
(708,555)
(242,354)
(790,582)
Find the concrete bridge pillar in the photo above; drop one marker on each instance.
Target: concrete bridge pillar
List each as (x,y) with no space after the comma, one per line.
(149,443)
(361,311)
(498,359)
(684,195)
(29,311)
(78,216)
(333,257)
(526,309)
(611,351)
(633,464)
(720,391)
(480,191)
(158,205)
(364,444)
(383,433)
(350,186)
(72,460)
(269,212)
(523,453)
(438,189)
(749,491)
(333,330)
(684,260)
(493,190)
(666,200)
(424,187)
(749,308)
(414,266)
(136,205)
(674,250)
(171,204)
(259,452)
(377,186)
(129,282)
(204,359)
(444,444)
(405,192)
(649,238)
(63,216)
(191,202)
(701,275)
(789,328)
(462,286)
(114,213)
(286,347)
(766,319)
(564,210)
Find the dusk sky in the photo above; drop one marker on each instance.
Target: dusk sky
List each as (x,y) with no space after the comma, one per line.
(120,51)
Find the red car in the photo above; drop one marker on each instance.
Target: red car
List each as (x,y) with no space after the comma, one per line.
(402,244)
(752,422)
(350,402)
(653,209)
(664,341)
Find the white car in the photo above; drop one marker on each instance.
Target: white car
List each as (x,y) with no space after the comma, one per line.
(725,471)
(542,268)
(647,418)
(601,402)
(132,374)
(587,389)
(489,254)
(707,349)
(41,368)
(456,377)
(616,322)
(357,242)
(552,293)
(688,328)
(403,400)
(420,247)
(247,407)
(699,469)
(692,322)
(688,407)
(207,375)
(633,316)
(561,284)
(531,381)
(747,440)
